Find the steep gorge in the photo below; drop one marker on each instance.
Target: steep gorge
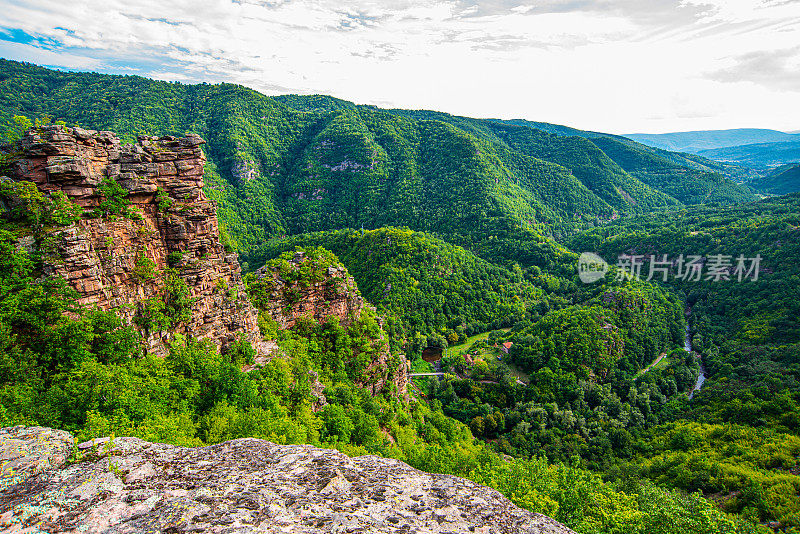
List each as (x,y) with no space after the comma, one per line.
(147,246)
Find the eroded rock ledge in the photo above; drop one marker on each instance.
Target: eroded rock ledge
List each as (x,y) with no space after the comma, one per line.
(332,294)
(245,485)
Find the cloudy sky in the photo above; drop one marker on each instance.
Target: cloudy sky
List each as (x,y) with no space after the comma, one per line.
(619,66)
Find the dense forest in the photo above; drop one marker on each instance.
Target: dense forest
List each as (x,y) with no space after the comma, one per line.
(575,400)
(296,164)
(748,335)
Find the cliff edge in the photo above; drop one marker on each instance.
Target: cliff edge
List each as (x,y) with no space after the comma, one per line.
(244,485)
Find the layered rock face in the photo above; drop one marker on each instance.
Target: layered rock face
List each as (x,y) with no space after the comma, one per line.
(102,257)
(245,485)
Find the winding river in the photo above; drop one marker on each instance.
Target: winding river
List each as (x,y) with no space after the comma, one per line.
(701,378)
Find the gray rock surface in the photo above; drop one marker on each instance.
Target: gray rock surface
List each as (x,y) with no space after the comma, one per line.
(245,485)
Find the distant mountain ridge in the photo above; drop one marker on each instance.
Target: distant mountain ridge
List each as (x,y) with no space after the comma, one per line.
(700,140)
(758,155)
(294,164)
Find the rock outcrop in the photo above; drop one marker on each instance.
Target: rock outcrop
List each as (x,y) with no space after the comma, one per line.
(326,289)
(335,293)
(103,257)
(130,486)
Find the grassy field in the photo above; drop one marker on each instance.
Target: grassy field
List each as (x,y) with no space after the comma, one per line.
(521,375)
(661,362)
(464,347)
(418,365)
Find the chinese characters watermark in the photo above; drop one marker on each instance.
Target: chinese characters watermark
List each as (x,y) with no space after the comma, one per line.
(690,268)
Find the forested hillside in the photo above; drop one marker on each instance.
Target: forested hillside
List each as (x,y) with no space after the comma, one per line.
(742,447)
(298,164)
(781,181)
(686,180)
(575,400)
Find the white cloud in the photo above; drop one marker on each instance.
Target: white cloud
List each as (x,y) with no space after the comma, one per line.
(40,56)
(621,65)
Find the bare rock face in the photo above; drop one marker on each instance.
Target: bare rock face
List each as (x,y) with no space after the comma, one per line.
(163,179)
(245,485)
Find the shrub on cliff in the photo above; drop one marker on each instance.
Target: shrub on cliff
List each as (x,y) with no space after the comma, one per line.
(35,209)
(114,201)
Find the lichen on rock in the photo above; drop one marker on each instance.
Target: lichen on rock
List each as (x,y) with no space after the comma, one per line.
(245,485)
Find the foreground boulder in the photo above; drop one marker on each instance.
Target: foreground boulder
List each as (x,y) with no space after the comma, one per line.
(244,485)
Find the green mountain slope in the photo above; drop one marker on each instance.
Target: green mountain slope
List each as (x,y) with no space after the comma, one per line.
(781,181)
(588,163)
(683,159)
(687,184)
(585,154)
(295,164)
(664,171)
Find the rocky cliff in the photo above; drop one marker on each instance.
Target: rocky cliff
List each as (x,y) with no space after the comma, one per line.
(245,485)
(133,256)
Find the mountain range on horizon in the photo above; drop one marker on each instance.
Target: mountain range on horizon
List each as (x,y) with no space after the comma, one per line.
(759,149)
(756,148)
(700,140)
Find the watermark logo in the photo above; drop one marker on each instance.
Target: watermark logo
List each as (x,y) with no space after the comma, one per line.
(591,267)
(689,268)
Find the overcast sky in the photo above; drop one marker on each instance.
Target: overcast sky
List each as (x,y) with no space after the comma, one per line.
(618,66)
